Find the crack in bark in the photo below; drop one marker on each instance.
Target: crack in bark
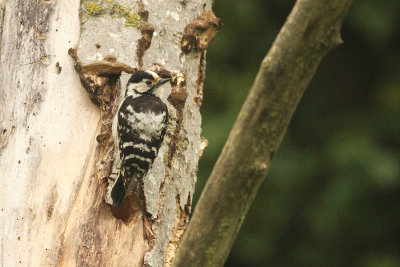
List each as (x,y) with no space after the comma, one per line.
(200,79)
(179,228)
(147,31)
(177,99)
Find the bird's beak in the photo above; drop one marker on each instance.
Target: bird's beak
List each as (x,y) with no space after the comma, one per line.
(162,81)
(159,83)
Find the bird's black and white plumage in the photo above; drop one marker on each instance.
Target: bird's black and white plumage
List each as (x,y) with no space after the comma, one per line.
(138,131)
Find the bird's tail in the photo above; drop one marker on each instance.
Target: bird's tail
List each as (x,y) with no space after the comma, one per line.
(115,190)
(118,193)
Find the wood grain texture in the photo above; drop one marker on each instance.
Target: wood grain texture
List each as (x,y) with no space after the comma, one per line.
(45,151)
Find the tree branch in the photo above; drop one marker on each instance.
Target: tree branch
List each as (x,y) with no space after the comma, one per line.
(311,30)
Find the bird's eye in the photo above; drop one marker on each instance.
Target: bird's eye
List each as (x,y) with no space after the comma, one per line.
(148,82)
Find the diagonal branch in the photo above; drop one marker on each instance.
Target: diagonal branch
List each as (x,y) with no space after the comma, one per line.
(311,30)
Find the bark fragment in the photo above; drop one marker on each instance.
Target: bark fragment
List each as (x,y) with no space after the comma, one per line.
(200,32)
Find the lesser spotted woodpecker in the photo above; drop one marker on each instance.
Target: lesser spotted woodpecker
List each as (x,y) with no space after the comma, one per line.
(138,130)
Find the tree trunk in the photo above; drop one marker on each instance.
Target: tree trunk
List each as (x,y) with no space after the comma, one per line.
(52,196)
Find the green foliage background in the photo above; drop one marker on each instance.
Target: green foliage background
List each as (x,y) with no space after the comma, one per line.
(332,196)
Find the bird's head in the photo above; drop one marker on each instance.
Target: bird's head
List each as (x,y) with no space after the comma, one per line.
(144,82)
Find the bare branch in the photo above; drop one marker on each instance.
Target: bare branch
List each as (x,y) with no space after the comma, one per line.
(311,30)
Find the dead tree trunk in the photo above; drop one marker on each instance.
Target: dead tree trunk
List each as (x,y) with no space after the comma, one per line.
(52,209)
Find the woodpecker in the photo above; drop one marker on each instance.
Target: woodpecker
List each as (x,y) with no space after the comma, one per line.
(138,130)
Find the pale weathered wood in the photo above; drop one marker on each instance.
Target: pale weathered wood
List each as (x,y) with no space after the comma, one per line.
(311,30)
(45,150)
(52,210)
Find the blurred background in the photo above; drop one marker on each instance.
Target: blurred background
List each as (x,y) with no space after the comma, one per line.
(332,196)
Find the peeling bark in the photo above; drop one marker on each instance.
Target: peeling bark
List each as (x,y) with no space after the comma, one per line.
(54,142)
(200,32)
